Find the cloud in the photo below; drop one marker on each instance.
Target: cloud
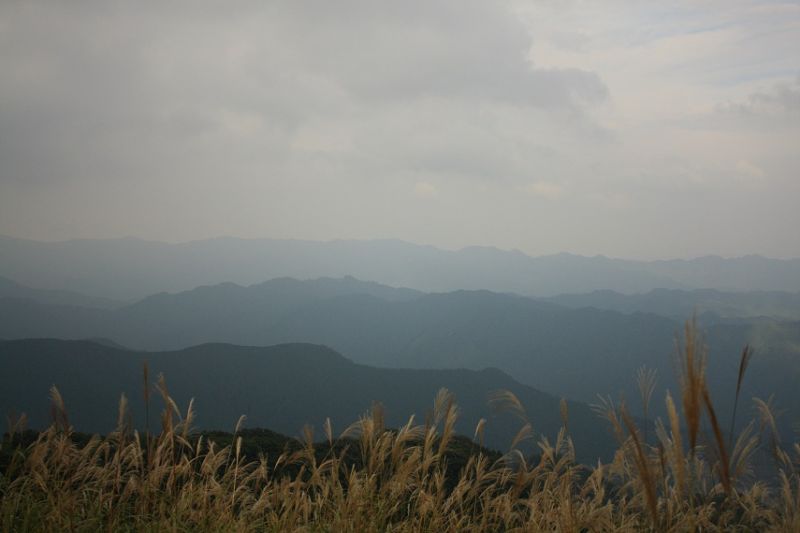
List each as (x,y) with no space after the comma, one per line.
(423,189)
(545,189)
(303,119)
(776,105)
(750,170)
(784,97)
(117,91)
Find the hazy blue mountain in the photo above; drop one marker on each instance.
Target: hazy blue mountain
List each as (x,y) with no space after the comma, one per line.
(221,312)
(680,304)
(578,353)
(127,269)
(12,289)
(279,387)
(750,272)
(22,318)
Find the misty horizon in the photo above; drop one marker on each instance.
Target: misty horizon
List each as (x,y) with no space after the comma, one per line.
(404,241)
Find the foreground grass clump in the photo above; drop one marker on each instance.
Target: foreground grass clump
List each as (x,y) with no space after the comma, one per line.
(415,478)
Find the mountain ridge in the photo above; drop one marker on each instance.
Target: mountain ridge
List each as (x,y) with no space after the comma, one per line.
(282,387)
(398,241)
(127,269)
(576,353)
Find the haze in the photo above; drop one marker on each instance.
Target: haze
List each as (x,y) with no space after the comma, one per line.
(639,130)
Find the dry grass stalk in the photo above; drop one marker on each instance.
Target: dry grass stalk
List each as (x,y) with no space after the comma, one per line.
(744,361)
(692,381)
(642,463)
(677,445)
(646,383)
(724,463)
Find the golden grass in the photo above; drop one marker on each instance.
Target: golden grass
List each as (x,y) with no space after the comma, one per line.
(172,482)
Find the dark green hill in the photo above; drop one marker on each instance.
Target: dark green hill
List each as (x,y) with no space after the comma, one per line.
(279,387)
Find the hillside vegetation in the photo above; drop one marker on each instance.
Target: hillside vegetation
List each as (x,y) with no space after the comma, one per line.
(279,387)
(680,479)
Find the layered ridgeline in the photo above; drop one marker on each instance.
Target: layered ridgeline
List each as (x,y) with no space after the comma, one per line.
(709,304)
(279,387)
(11,289)
(577,353)
(127,269)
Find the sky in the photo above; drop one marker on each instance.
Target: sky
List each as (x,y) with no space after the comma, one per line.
(630,129)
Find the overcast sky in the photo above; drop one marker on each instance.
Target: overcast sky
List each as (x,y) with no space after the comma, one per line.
(630,129)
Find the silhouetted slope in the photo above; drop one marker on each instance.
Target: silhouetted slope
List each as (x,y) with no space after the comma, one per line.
(279,387)
(23,318)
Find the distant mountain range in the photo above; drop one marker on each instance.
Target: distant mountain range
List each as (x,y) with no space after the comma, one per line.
(12,289)
(129,269)
(712,304)
(577,353)
(281,387)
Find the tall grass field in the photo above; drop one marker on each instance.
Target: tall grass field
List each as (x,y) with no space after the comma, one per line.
(692,472)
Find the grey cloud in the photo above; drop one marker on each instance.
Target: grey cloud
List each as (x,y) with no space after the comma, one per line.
(773,109)
(443,48)
(114,92)
(327,119)
(782,98)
